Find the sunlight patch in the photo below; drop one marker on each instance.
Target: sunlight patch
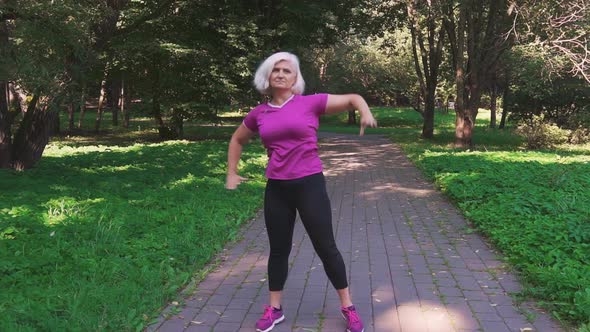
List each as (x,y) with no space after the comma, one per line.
(188,179)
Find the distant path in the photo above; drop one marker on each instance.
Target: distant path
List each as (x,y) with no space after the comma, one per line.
(411,263)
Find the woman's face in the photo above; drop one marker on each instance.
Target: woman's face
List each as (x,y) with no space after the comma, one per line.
(282,76)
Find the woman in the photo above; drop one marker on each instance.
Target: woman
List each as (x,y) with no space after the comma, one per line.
(287,126)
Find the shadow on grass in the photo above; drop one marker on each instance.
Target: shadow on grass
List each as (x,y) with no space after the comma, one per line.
(127,137)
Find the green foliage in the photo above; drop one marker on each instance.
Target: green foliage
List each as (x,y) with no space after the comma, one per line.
(368,68)
(580,135)
(559,30)
(533,91)
(100,238)
(540,134)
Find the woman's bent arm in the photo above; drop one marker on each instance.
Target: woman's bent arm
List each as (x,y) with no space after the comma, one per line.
(240,138)
(342,103)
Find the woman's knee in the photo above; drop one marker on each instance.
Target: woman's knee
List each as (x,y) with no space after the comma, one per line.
(280,253)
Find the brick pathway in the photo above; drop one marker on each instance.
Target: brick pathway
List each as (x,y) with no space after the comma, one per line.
(412,263)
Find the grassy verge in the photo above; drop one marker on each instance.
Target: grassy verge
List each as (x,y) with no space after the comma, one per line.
(99,238)
(533,205)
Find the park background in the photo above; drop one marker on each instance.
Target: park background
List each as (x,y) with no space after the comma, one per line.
(115,117)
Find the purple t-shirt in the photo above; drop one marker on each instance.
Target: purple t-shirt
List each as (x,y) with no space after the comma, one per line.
(289,133)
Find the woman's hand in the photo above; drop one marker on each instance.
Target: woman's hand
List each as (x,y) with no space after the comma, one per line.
(232,181)
(367,120)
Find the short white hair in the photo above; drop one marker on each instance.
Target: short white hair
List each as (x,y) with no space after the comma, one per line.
(264,70)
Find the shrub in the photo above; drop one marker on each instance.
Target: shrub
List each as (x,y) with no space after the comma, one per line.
(541,134)
(579,136)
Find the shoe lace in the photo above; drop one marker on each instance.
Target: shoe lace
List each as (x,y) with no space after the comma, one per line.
(353,317)
(267,312)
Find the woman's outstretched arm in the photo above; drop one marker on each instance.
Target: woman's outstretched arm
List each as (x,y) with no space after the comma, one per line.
(349,102)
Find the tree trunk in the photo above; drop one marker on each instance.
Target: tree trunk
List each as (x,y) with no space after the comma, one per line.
(71,109)
(351,117)
(82,106)
(428,115)
(101,100)
(54,124)
(493,105)
(156,111)
(178,123)
(32,136)
(5,128)
(462,137)
(427,45)
(463,131)
(124,103)
(114,92)
(504,107)
(5,121)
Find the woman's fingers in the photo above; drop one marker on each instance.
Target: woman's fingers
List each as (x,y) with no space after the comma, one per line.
(233,181)
(368,123)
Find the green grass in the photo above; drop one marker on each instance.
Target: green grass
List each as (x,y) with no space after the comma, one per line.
(100,238)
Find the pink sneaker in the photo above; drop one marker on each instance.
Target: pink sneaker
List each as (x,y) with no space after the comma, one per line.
(269,319)
(353,321)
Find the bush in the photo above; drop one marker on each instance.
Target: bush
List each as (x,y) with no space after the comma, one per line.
(541,134)
(579,136)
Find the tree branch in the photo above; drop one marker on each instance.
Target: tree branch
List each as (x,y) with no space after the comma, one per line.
(140,21)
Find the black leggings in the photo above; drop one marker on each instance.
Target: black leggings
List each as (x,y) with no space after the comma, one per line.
(308,196)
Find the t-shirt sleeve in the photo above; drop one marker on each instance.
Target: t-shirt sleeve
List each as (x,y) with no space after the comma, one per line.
(318,103)
(250,121)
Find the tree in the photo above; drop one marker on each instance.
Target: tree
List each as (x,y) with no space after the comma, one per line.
(59,45)
(536,90)
(561,29)
(364,67)
(477,38)
(49,37)
(426,27)
(5,116)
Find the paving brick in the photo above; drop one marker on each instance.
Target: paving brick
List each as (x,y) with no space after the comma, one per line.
(227,327)
(201,328)
(482,307)
(412,319)
(493,326)
(412,266)
(173,325)
(518,323)
(542,323)
(233,315)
